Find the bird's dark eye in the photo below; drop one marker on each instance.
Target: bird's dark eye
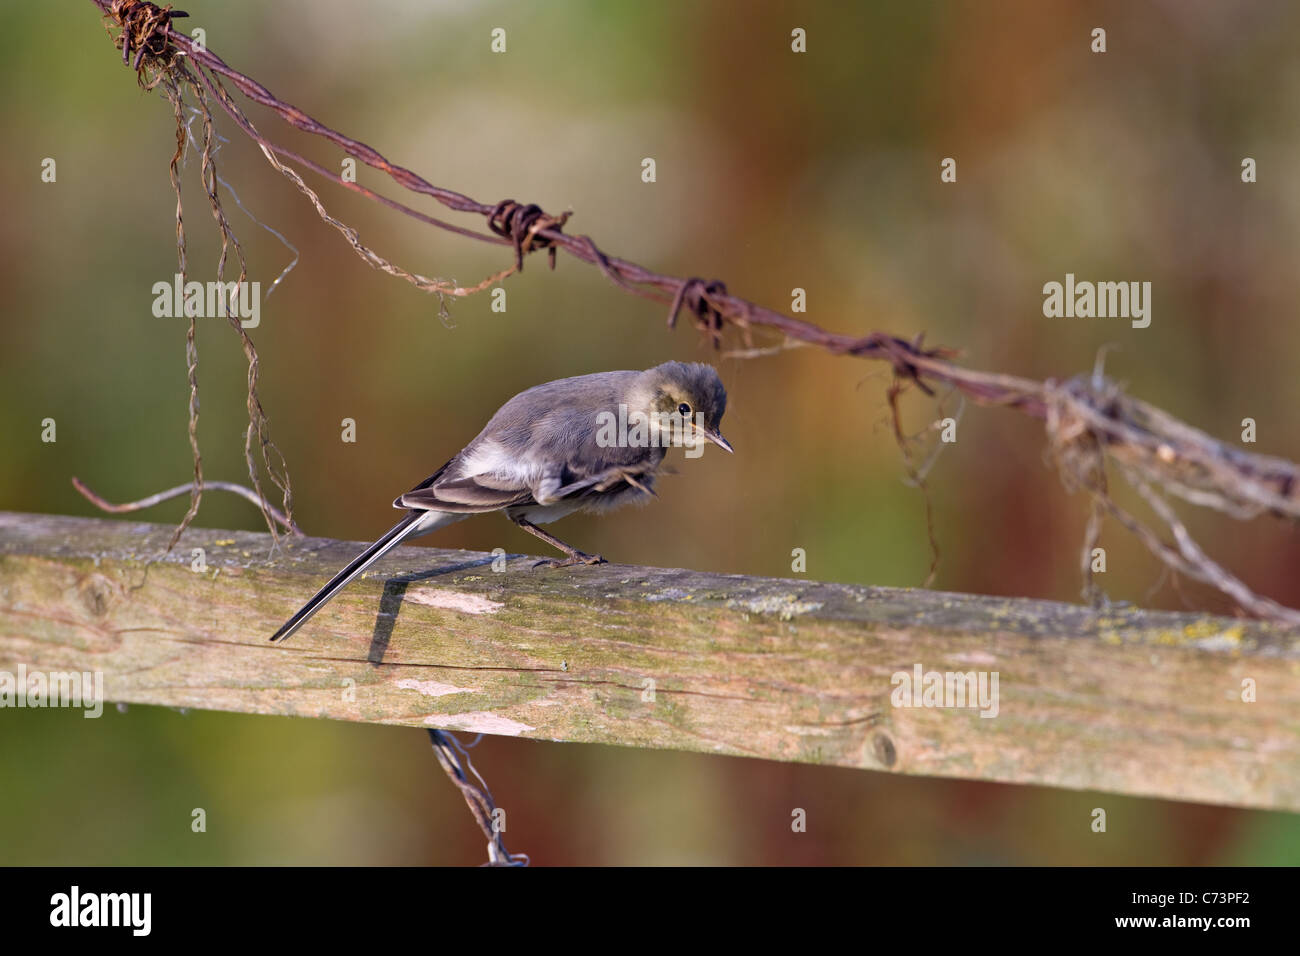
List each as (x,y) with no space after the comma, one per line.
(683,409)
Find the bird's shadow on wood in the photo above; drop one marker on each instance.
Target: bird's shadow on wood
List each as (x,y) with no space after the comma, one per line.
(391,602)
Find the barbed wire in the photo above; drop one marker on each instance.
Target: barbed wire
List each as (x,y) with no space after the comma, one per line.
(1089,421)
(454,759)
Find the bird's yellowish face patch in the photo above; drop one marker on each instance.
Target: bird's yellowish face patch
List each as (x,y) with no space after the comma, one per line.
(688,393)
(692,408)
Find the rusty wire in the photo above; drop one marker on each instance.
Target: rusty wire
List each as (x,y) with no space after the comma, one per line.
(1090,422)
(453,757)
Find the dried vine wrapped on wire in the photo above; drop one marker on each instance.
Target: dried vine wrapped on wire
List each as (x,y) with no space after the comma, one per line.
(145,36)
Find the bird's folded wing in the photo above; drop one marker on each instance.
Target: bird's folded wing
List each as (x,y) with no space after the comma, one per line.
(491,492)
(492,474)
(464,496)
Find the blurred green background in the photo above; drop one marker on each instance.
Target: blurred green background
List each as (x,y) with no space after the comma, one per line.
(775,171)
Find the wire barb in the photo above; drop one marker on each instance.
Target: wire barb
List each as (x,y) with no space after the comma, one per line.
(144,28)
(700,299)
(521,224)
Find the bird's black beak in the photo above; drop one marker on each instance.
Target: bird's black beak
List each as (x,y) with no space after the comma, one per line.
(715,436)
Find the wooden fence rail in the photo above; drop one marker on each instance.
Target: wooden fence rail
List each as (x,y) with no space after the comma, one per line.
(1121,700)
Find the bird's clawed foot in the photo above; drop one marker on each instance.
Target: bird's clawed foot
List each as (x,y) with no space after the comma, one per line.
(578,557)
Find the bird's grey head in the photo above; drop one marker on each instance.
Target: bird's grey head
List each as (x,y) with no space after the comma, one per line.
(688,389)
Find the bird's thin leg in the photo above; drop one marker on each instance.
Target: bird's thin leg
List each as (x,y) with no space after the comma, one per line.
(574,555)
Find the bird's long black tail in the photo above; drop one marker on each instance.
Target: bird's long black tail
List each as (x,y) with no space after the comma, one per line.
(393,537)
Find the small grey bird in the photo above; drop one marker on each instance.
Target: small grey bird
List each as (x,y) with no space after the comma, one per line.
(590,443)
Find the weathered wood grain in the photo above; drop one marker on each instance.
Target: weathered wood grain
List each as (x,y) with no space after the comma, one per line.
(1120,700)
